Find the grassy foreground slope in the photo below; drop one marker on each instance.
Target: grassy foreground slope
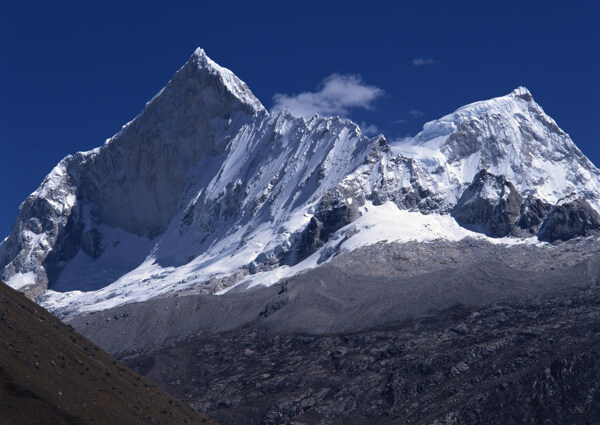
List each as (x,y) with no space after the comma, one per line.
(50,374)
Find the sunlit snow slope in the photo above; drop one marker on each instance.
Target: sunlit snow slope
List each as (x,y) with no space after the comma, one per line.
(510,136)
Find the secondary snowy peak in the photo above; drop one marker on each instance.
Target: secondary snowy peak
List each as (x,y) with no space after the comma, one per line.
(508,104)
(510,136)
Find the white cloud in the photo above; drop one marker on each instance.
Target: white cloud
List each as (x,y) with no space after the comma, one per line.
(424,61)
(402,144)
(336,95)
(369,130)
(402,140)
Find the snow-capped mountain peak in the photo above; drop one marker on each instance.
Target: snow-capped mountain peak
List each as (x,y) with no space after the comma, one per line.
(522,93)
(511,136)
(236,86)
(206,189)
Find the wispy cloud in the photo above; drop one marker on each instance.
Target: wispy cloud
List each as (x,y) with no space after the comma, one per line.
(402,140)
(424,61)
(411,114)
(369,130)
(336,95)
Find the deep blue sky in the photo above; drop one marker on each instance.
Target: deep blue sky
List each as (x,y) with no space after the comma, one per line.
(72,73)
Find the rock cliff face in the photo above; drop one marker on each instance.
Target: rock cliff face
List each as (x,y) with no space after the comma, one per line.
(569,219)
(491,203)
(533,213)
(206,188)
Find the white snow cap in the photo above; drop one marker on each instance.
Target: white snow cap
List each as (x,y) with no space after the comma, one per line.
(236,86)
(522,93)
(508,135)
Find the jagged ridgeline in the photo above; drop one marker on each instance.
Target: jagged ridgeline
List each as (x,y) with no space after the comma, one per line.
(206,190)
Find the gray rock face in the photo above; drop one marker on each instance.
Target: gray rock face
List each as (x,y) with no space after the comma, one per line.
(568,220)
(491,204)
(335,211)
(137,180)
(533,213)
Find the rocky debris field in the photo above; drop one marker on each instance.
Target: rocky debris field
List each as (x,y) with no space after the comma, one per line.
(51,374)
(502,364)
(416,258)
(436,333)
(378,285)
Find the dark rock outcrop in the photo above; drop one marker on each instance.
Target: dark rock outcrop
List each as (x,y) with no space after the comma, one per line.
(533,214)
(491,204)
(336,210)
(91,243)
(568,220)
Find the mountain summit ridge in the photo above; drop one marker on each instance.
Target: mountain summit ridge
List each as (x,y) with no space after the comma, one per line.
(207,189)
(229,79)
(509,135)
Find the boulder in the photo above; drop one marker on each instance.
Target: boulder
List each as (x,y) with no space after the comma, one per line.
(570,219)
(491,205)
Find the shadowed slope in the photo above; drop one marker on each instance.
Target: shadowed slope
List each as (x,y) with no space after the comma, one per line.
(50,374)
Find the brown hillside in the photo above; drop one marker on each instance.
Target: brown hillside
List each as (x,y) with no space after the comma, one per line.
(50,374)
